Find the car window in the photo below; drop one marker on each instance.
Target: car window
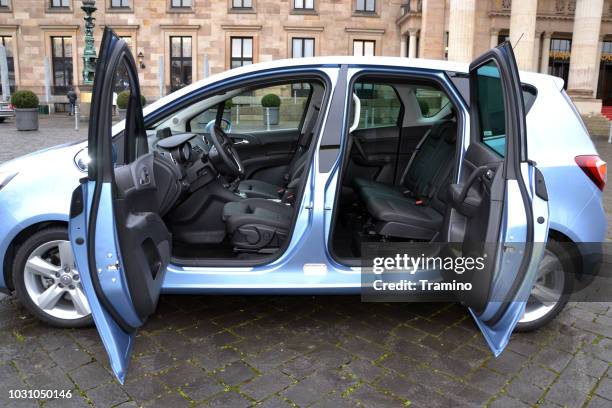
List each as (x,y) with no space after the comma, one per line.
(431,101)
(462,83)
(491,112)
(279,107)
(380,105)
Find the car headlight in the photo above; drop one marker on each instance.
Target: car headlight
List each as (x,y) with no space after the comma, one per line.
(5,177)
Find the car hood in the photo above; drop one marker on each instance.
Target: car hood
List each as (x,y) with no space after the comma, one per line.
(47,161)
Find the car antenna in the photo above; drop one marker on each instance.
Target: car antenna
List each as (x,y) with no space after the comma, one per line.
(517,41)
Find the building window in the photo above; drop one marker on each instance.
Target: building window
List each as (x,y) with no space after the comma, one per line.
(366,6)
(242,51)
(364,48)
(7,42)
(180,4)
(59,4)
(303,4)
(302,47)
(4,4)
(61,61)
(559,58)
(242,4)
(120,4)
(180,62)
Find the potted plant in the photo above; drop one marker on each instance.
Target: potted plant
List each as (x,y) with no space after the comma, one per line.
(26,110)
(122,102)
(271,103)
(227,110)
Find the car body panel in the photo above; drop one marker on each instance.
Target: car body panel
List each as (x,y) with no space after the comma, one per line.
(576,213)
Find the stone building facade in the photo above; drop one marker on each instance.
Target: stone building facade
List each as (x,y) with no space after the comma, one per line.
(179,39)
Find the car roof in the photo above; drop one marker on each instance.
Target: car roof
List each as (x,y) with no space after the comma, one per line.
(531,78)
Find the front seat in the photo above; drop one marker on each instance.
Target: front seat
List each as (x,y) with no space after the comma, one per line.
(261,189)
(257,224)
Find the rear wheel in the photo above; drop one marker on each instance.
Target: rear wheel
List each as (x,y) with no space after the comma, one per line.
(551,290)
(47,282)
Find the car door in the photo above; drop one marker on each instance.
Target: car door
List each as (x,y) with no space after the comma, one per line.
(121,245)
(499,206)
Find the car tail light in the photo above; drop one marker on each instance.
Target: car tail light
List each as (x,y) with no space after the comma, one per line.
(594,168)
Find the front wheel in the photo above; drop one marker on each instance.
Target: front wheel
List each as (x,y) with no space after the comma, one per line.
(47,282)
(552,289)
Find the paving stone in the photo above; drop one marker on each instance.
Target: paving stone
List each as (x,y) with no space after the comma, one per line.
(578,379)
(508,362)
(563,394)
(299,367)
(363,370)
(172,399)
(537,375)
(507,402)
(369,397)
(553,358)
(334,401)
(604,389)
(235,373)
(229,399)
(266,385)
(203,388)
(598,402)
(216,358)
(144,389)
(90,376)
(487,380)
(75,402)
(525,391)
(70,357)
(182,375)
(588,364)
(274,402)
(52,378)
(107,395)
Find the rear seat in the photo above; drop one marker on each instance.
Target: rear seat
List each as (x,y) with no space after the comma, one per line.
(415,209)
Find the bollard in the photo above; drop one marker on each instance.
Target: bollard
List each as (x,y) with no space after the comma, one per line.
(237,114)
(610,134)
(76,116)
(268,119)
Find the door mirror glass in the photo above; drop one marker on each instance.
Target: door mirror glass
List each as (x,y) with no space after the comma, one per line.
(490,105)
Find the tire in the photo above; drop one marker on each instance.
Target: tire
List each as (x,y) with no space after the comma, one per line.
(539,318)
(37,269)
(2,120)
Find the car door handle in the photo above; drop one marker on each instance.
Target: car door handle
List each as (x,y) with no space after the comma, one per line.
(241,142)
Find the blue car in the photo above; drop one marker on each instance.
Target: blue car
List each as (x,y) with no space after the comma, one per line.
(273,178)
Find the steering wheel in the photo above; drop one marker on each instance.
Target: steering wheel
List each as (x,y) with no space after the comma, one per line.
(230,165)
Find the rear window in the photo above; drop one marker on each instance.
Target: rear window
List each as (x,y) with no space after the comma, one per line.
(431,101)
(380,105)
(462,83)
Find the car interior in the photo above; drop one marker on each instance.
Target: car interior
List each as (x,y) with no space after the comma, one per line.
(398,167)
(239,166)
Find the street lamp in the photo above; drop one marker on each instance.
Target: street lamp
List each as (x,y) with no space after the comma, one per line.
(89,53)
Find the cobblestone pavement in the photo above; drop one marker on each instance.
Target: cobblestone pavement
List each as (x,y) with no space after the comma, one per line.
(329,351)
(53,131)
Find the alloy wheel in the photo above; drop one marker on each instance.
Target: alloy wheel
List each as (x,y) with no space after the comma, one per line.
(53,282)
(547,290)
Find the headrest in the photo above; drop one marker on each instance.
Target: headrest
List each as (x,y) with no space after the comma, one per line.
(450,133)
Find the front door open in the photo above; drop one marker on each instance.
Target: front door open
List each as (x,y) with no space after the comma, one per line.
(121,245)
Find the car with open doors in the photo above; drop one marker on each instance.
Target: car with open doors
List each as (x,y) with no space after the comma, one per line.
(208,191)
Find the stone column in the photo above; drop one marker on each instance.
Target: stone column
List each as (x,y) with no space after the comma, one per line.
(403,45)
(536,51)
(585,48)
(412,44)
(522,26)
(431,43)
(461,30)
(494,38)
(597,64)
(545,53)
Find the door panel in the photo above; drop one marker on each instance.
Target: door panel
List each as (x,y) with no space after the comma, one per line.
(121,245)
(265,155)
(494,205)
